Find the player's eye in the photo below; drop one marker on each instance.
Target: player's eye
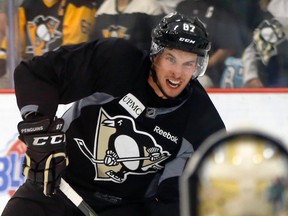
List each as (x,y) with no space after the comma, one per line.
(190,64)
(170,59)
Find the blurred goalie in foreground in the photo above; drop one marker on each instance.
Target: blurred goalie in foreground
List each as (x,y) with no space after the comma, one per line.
(243,173)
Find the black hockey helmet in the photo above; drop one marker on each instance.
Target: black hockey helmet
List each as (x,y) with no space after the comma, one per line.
(244,172)
(178,31)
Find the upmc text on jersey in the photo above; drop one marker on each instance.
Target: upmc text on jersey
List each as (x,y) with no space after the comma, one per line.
(132,105)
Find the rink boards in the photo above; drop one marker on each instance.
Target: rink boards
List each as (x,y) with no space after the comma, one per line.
(263,110)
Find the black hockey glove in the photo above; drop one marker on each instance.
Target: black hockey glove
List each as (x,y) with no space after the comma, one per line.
(45,158)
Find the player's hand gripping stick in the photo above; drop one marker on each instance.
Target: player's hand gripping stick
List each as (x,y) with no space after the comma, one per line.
(45,158)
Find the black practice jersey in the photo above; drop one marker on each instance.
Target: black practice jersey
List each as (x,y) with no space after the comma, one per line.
(115,113)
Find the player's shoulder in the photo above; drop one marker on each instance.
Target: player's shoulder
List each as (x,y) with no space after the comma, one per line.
(200,97)
(117,44)
(122,42)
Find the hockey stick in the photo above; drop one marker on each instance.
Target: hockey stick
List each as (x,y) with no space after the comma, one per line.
(89,155)
(127,159)
(121,159)
(76,199)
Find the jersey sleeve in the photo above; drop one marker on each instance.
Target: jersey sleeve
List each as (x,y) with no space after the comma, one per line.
(73,72)
(168,190)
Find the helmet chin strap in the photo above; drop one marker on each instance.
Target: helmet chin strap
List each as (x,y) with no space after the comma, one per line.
(188,88)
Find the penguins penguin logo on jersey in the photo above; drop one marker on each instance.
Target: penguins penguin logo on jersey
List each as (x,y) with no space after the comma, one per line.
(42,32)
(118,152)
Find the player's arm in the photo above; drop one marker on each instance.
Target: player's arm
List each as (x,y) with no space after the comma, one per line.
(74,72)
(45,81)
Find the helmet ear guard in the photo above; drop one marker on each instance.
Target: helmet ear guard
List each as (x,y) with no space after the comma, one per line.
(202,63)
(189,34)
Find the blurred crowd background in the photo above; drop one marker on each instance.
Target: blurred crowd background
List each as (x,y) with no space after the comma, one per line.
(249,37)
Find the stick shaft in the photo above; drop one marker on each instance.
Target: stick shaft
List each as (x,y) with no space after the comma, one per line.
(76,199)
(122,159)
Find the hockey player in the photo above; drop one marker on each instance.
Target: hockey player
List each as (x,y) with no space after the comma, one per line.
(134,122)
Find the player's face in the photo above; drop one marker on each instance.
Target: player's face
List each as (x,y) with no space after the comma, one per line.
(174,69)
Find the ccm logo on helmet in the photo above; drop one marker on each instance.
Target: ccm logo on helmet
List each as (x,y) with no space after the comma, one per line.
(187,40)
(54,139)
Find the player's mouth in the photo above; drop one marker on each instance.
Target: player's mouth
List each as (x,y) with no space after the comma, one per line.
(173,83)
